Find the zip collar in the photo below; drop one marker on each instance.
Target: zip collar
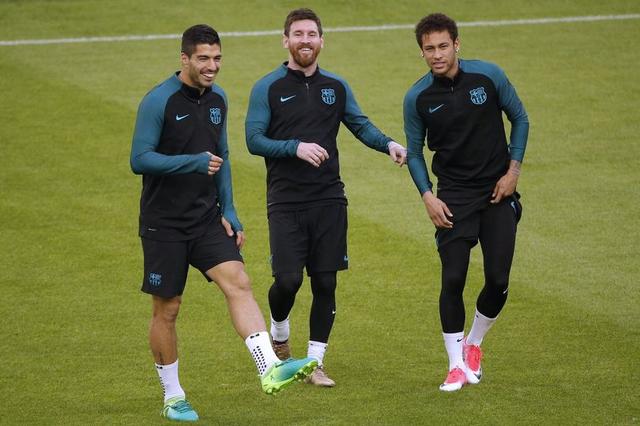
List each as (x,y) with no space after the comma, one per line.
(448,82)
(299,75)
(192,93)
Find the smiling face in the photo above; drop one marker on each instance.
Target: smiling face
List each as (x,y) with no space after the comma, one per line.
(304,43)
(200,69)
(439,51)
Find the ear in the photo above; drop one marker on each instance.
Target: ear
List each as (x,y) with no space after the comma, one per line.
(285,41)
(456,44)
(184,59)
(321,42)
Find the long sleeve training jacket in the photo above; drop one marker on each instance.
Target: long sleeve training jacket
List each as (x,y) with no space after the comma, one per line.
(462,122)
(287,108)
(175,127)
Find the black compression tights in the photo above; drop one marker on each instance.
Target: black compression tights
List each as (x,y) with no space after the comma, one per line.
(497,242)
(282,296)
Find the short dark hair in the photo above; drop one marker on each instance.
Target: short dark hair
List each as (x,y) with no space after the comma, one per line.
(436,22)
(198,34)
(300,15)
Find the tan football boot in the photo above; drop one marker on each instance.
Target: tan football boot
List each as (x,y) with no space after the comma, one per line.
(282,350)
(320,378)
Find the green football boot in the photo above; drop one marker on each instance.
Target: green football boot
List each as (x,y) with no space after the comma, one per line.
(180,410)
(282,374)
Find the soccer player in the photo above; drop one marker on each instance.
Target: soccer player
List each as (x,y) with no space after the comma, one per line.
(293,120)
(458,105)
(187,216)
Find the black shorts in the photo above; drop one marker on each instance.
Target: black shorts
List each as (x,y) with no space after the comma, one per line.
(166,263)
(507,213)
(315,238)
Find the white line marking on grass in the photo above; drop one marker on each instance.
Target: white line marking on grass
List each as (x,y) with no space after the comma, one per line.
(536,21)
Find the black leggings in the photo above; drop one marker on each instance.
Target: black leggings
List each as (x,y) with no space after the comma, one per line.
(497,235)
(282,296)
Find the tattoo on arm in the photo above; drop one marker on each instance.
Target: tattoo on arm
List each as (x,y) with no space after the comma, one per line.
(514,167)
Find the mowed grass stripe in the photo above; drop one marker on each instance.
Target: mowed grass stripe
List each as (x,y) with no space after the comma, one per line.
(388,27)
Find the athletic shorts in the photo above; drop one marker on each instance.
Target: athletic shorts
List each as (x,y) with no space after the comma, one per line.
(507,213)
(315,238)
(166,263)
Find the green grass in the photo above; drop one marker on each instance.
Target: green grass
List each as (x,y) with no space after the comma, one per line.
(74,347)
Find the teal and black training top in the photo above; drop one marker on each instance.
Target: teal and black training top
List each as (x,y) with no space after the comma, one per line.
(285,108)
(175,128)
(462,122)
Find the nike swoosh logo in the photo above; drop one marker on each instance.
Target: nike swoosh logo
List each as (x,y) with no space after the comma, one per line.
(459,340)
(432,110)
(178,117)
(283,99)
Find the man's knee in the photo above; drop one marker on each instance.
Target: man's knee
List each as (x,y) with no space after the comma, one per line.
(239,280)
(453,282)
(237,283)
(288,282)
(323,283)
(496,283)
(166,309)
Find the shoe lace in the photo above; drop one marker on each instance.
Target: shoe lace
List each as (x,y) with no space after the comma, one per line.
(182,406)
(474,354)
(454,375)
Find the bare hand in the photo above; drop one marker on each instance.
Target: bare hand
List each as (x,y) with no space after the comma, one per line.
(229,230)
(438,210)
(312,153)
(504,187)
(398,153)
(215,163)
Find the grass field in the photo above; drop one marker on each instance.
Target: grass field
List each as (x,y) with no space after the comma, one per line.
(73,343)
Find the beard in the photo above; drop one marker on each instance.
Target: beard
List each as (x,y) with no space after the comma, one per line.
(304,60)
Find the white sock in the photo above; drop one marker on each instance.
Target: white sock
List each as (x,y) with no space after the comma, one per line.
(453,345)
(316,351)
(259,346)
(280,330)
(169,380)
(481,325)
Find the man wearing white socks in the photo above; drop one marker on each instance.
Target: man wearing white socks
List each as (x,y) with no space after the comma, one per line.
(458,108)
(187,217)
(293,120)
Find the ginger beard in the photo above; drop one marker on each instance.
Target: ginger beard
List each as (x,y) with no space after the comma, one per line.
(304,54)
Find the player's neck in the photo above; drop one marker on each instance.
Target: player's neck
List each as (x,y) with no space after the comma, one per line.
(184,77)
(451,74)
(307,71)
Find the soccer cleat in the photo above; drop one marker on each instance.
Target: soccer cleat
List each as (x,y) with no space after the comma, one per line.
(454,381)
(282,374)
(282,350)
(320,378)
(180,410)
(472,358)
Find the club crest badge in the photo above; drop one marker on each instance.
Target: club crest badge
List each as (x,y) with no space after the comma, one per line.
(328,96)
(478,96)
(155,279)
(215,115)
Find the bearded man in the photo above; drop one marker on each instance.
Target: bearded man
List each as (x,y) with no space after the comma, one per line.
(293,120)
